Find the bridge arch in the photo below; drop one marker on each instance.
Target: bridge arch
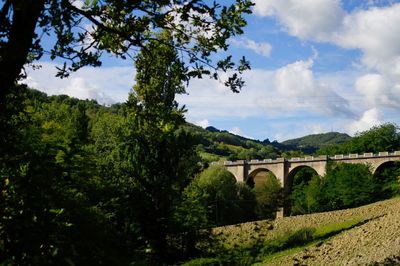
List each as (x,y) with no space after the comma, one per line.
(258,176)
(293,171)
(377,169)
(298,179)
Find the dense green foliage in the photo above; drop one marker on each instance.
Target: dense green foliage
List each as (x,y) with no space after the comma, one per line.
(268,195)
(385,137)
(343,186)
(387,178)
(87,185)
(50,214)
(225,200)
(303,196)
(347,185)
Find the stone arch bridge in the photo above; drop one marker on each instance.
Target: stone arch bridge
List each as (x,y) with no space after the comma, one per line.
(285,169)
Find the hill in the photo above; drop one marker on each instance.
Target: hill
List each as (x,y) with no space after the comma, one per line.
(311,143)
(212,144)
(217,145)
(221,145)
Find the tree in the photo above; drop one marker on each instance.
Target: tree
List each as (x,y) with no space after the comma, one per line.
(347,186)
(216,188)
(48,216)
(387,179)
(385,137)
(82,32)
(268,196)
(154,158)
(299,199)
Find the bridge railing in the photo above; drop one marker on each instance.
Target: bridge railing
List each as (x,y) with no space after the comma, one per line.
(312,158)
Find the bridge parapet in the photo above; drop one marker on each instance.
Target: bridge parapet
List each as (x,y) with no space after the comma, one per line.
(308,159)
(337,157)
(366,155)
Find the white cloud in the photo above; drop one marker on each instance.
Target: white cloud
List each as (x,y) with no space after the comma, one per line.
(376,33)
(375,30)
(297,81)
(372,28)
(239,132)
(370,118)
(236,131)
(208,98)
(378,91)
(261,48)
(306,19)
(289,89)
(203,123)
(107,84)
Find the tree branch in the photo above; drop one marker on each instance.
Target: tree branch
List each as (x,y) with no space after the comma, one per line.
(5,9)
(101,25)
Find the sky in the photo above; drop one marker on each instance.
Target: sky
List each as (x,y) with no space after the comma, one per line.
(317,66)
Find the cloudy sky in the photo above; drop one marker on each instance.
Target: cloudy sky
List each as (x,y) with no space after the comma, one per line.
(317,66)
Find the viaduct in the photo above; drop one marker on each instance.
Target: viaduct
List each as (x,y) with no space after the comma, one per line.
(286,169)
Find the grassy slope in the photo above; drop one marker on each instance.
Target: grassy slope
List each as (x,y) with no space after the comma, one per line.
(326,229)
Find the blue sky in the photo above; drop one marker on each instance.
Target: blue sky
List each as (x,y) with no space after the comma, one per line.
(317,66)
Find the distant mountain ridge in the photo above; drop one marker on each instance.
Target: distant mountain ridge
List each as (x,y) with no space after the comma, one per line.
(216,145)
(311,143)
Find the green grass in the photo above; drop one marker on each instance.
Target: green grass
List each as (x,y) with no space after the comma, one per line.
(335,228)
(209,157)
(287,252)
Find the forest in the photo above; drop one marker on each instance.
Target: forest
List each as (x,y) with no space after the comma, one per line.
(130,184)
(87,205)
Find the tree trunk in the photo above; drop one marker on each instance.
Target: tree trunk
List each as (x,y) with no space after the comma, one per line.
(13,55)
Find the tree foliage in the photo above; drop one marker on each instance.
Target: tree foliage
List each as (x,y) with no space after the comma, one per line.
(343,186)
(67,168)
(226,201)
(268,195)
(385,137)
(83,30)
(302,197)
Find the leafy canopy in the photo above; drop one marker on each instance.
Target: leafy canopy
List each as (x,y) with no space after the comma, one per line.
(84,31)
